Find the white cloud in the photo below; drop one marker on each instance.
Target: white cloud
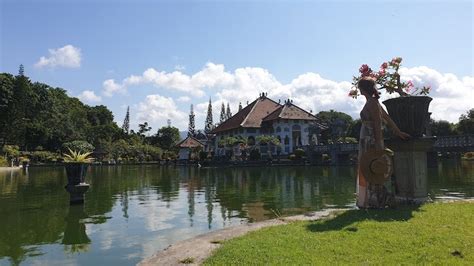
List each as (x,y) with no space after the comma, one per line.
(158,109)
(452,95)
(67,56)
(89,96)
(110,87)
(184,99)
(179,67)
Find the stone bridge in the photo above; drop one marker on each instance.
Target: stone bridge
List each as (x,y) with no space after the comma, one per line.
(340,153)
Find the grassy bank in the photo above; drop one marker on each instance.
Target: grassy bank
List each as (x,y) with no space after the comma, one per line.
(440,233)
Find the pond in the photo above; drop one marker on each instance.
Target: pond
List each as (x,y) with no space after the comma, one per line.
(132,211)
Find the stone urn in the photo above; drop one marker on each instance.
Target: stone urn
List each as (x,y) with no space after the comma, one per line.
(409,113)
(76,172)
(76,186)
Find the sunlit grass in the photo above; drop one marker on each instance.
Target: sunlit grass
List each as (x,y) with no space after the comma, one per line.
(439,233)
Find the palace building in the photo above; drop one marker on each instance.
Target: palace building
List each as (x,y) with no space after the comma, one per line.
(287,122)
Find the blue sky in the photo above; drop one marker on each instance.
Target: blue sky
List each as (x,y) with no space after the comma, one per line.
(305,50)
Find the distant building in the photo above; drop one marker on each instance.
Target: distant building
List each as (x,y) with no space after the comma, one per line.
(287,122)
(188,146)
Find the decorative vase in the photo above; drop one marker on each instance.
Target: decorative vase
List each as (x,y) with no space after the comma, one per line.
(76,173)
(410,114)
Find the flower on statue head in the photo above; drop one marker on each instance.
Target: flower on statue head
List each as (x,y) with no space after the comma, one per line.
(387,78)
(365,70)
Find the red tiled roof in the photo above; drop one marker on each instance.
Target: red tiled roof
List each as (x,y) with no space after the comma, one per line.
(190,142)
(290,111)
(250,116)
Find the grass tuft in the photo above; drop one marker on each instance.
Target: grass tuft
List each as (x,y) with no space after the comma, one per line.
(187,260)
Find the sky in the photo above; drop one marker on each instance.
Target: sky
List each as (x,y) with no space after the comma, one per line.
(159,57)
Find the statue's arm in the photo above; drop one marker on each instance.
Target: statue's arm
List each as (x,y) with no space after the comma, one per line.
(392,125)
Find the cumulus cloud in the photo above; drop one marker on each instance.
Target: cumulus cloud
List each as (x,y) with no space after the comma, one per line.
(158,109)
(67,56)
(89,96)
(110,87)
(184,99)
(451,94)
(211,76)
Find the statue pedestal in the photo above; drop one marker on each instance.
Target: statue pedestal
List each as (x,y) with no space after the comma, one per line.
(410,169)
(76,193)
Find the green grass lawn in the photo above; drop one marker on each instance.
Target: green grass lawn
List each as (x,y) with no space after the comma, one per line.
(436,233)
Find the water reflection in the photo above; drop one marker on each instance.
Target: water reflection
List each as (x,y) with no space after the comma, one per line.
(132,211)
(75,237)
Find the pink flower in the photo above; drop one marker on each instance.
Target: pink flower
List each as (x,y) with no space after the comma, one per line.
(410,84)
(407,89)
(384,65)
(381,72)
(364,69)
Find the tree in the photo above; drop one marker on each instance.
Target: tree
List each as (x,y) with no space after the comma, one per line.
(333,119)
(466,123)
(228,113)
(167,137)
(240,106)
(223,115)
(143,128)
(191,128)
(209,124)
(126,121)
(442,128)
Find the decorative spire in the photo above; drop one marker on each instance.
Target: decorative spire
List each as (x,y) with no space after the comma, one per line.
(209,123)
(191,127)
(126,121)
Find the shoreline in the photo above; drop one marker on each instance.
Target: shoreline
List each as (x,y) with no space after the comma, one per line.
(199,248)
(196,250)
(15,168)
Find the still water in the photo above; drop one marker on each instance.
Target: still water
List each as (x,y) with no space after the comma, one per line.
(132,211)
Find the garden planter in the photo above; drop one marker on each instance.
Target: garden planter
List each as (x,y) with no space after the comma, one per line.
(76,173)
(410,114)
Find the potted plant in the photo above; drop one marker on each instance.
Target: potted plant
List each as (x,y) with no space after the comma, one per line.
(410,110)
(76,164)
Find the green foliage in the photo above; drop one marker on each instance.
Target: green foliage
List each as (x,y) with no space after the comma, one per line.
(167,137)
(77,157)
(255,155)
(4,162)
(79,145)
(202,155)
(44,156)
(442,128)
(34,114)
(299,153)
(329,118)
(466,123)
(11,151)
(231,141)
(437,233)
(265,139)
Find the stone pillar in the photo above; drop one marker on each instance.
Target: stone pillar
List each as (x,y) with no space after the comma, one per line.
(77,192)
(410,168)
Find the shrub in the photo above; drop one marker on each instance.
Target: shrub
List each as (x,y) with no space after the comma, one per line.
(299,153)
(3,162)
(79,146)
(254,155)
(292,157)
(202,155)
(11,151)
(469,155)
(43,156)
